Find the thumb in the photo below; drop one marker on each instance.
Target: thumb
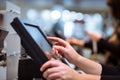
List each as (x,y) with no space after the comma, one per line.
(60,49)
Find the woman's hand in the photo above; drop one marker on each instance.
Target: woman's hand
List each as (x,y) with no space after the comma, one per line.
(56,70)
(62,47)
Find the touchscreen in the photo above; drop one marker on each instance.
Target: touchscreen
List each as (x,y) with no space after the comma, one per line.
(39,38)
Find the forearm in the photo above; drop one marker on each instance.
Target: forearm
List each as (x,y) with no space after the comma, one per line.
(89,77)
(88,66)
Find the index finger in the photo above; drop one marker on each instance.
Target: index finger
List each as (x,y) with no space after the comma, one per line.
(61,41)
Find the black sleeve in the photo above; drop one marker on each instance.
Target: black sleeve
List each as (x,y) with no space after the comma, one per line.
(110,77)
(103,45)
(109,70)
(110,73)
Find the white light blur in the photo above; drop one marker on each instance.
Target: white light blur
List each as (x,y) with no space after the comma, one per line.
(68,29)
(79,16)
(89,24)
(98,22)
(97,17)
(45,15)
(66,15)
(32,14)
(55,14)
(94,23)
(73,15)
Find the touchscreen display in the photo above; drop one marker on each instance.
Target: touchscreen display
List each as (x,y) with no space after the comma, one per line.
(39,38)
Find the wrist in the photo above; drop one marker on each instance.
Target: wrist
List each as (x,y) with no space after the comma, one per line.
(89,77)
(78,60)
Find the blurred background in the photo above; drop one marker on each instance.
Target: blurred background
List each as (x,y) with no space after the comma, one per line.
(61,18)
(76,15)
